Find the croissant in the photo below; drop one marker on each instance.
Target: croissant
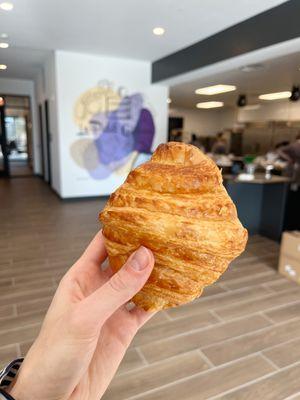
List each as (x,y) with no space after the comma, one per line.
(174,204)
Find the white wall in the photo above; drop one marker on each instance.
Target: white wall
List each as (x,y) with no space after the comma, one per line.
(279,110)
(204,122)
(50,93)
(209,122)
(39,84)
(24,87)
(76,73)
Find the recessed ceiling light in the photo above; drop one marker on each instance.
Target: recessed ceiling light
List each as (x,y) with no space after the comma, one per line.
(4,45)
(251,107)
(210,104)
(252,67)
(7,6)
(3,35)
(3,66)
(275,96)
(158,31)
(169,101)
(216,89)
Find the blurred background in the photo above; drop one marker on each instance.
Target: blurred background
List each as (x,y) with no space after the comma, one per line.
(88,90)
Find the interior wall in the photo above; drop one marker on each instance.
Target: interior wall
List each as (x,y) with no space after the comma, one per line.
(204,122)
(284,110)
(39,83)
(209,122)
(24,87)
(76,73)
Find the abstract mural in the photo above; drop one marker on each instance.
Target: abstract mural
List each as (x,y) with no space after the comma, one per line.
(116,131)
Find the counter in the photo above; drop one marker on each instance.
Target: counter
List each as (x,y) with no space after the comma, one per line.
(261,203)
(259,178)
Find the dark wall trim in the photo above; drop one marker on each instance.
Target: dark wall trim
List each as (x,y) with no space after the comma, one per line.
(273,26)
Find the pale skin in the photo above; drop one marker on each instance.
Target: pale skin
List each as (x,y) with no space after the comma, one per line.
(87,329)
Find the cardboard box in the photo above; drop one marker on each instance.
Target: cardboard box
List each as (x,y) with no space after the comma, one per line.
(289,267)
(290,244)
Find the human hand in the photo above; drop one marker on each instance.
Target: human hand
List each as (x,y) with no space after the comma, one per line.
(87,329)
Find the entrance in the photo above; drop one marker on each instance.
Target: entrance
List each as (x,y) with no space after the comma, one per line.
(16,136)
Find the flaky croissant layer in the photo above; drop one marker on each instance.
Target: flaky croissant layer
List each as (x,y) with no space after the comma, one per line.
(176,205)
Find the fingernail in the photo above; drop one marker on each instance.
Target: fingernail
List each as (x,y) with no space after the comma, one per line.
(140,259)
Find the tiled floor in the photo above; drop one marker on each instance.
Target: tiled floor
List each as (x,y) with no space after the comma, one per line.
(239,341)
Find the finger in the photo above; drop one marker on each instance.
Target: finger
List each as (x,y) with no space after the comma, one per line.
(104,273)
(140,316)
(122,286)
(96,251)
(106,269)
(89,270)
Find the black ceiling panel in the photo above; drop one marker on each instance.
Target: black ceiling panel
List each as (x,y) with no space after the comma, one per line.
(273,26)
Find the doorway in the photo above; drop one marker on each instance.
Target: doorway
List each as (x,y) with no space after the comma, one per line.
(16,136)
(41,126)
(175,127)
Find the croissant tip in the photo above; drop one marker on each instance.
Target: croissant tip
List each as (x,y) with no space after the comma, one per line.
(177,153)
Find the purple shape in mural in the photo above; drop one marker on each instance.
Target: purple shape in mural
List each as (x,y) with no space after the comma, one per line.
(144,132)
(117,134)
(114,143)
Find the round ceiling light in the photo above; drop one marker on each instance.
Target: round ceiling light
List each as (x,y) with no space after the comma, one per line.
(3,66)
(4,45)
(3,35)
(6,6)
(169,101)
(158,31)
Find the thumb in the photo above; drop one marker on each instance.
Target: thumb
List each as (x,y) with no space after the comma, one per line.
(121,287)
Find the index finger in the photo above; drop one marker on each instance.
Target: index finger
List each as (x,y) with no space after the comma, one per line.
(96,251)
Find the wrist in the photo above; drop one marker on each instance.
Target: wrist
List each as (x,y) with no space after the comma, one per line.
(5,395)
(8,378)
(19,389)
(13,393)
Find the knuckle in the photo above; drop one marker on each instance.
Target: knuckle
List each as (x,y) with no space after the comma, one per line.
(66,282)
(118,283)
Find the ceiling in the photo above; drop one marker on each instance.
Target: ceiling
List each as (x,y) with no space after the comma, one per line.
(22,63)
(277,75)
(121,28)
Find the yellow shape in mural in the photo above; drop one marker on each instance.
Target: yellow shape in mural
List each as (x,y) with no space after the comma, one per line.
(84,153)
(99,99)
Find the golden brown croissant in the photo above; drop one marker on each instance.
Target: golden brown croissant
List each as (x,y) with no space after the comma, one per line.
(175,205)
